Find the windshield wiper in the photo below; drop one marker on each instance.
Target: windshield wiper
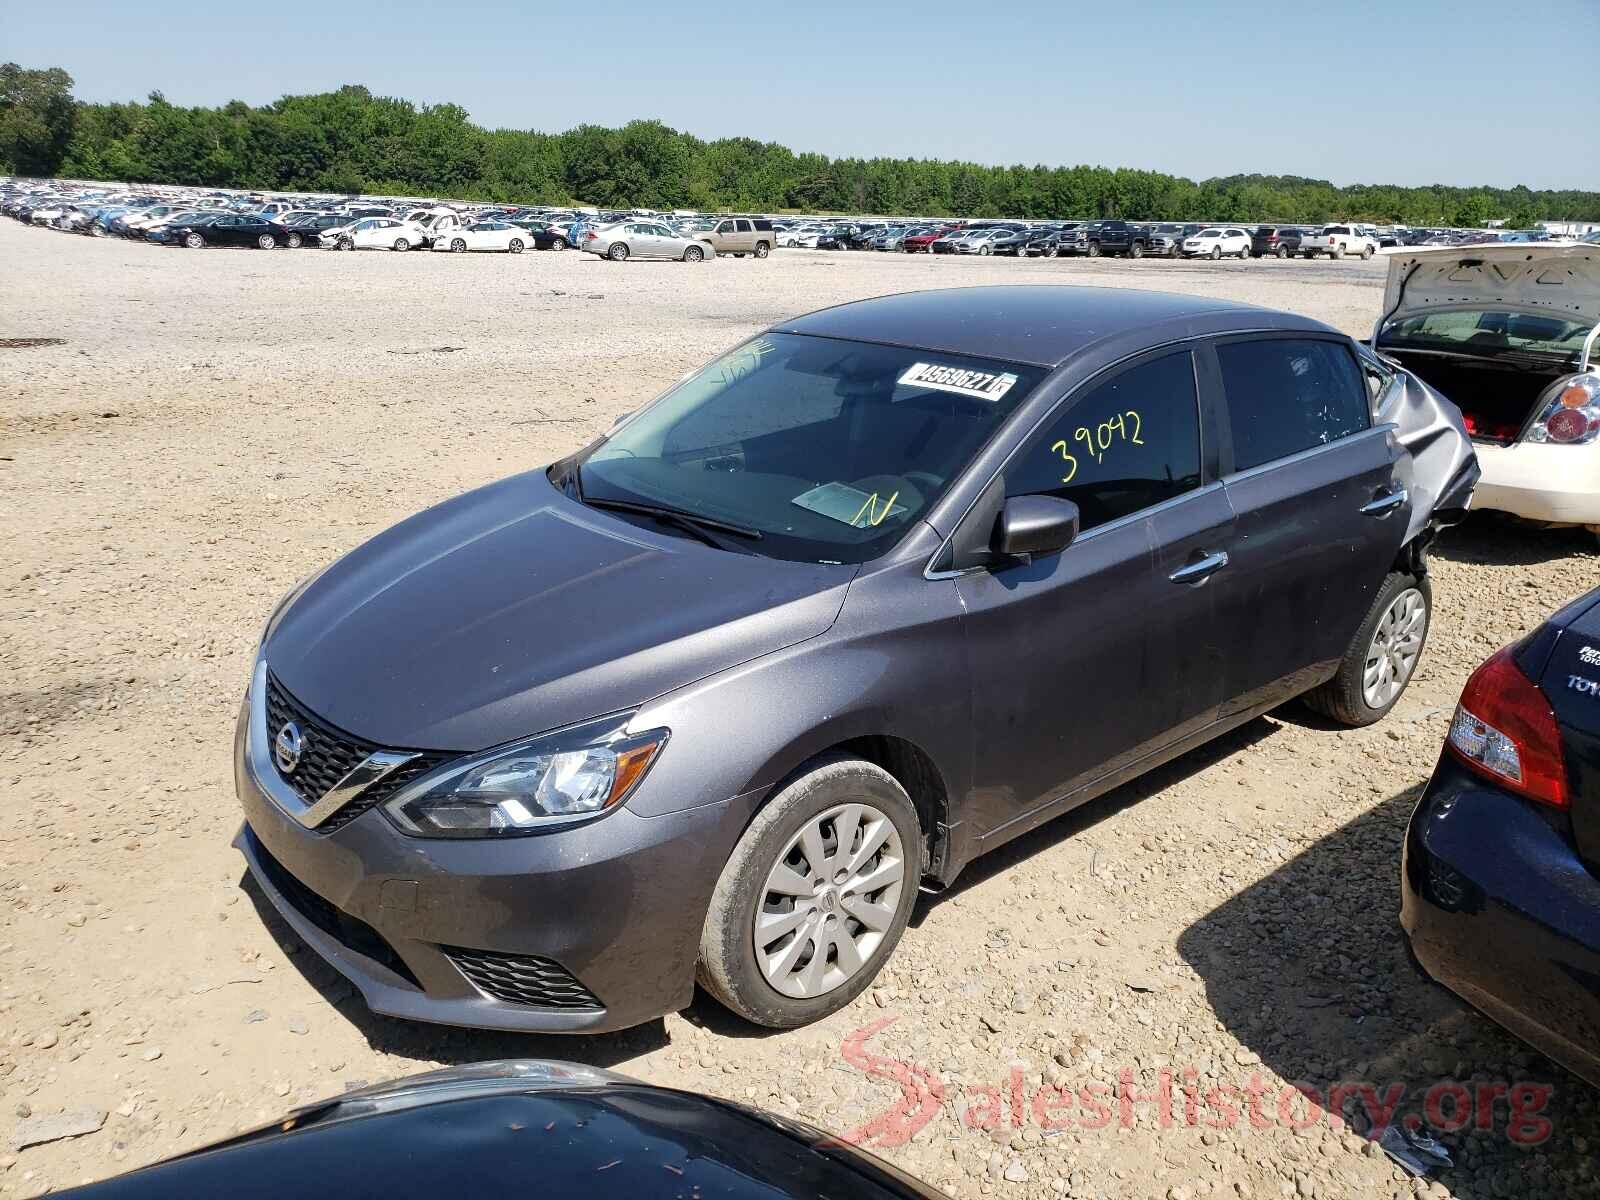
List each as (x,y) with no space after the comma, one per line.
(704,528)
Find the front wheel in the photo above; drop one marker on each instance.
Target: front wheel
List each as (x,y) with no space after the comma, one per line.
(194,241)
(986,250)
(618,252)
(1382,656)
(1366,253)
(1336,252)
(694,254)
(1094,249)
(458,246)
(1216,253)
(814,897)
(1136,250)
(1283,252)
(347,244)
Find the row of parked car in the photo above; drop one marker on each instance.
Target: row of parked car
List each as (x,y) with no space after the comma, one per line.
(1129,238)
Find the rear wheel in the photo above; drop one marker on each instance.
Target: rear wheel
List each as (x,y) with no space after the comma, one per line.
(762,249)
(814,897)
(1382,656)
(515,246)
(618,252)
(292,241)
(694,254)
(401,245)
(1336,252)
(266,241)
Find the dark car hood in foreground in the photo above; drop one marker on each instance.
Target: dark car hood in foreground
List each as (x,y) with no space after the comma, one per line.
(608,1140)
(513,609)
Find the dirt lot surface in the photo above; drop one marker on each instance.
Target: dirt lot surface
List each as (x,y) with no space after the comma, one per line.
(216,424)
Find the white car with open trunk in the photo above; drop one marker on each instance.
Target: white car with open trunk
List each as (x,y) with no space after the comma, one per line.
(1508,332)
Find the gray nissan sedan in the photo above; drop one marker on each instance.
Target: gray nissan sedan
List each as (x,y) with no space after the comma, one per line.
(873,593)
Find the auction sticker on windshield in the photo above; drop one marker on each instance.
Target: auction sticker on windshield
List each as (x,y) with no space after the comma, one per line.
(982,385)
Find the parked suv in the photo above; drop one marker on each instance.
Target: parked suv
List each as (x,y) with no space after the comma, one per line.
(1279,241)
(739,236)
(714,697)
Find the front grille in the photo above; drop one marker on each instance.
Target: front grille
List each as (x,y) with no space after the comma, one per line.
(329,754)
(523,979)
(332,920)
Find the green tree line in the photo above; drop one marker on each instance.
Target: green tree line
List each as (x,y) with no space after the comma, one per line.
(351,141)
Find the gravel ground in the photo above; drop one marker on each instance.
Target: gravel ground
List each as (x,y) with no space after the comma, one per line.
(214,425)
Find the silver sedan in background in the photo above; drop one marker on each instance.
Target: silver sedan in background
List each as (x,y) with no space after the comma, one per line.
(644,239)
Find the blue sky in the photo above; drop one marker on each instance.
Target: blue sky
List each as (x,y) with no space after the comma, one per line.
(1463,92)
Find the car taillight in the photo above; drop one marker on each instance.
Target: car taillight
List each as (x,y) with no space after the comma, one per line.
(591,236)
(1504,728)
(1569,412)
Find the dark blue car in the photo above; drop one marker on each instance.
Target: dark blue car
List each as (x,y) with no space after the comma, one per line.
(1501,882)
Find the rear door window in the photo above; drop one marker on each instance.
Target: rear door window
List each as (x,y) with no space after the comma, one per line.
(1286,395)
(1126,444)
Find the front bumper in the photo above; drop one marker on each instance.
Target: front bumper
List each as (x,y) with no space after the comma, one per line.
(1499,909)
(614,907)
(1541,481)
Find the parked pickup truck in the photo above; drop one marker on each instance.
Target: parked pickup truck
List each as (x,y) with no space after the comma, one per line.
(739,236)
(1115,237)
(1336,241)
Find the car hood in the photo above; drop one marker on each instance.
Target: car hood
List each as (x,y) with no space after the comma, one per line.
(1562,278)
(513,609)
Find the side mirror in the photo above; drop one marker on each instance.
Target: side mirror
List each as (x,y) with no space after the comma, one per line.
(1031,525)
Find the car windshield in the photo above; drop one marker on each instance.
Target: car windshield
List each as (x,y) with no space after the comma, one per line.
(1487,332)
(829,450)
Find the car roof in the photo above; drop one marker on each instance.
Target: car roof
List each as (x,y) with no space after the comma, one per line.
(1040,324)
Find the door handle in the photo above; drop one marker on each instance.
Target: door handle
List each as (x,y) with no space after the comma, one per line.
(1380,506)
(1201,568)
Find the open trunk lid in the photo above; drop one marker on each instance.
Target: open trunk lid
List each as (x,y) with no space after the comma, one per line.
(1561,278)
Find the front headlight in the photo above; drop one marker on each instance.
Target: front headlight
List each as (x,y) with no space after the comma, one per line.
(549,780)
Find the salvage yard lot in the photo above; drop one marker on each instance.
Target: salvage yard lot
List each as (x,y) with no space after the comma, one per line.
(216,424)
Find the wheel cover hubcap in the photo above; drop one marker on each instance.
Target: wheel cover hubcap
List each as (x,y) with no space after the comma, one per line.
(1396,643)
(829,901)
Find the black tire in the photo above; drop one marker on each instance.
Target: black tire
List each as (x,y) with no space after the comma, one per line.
(266,241)
(1136,250)
(986,249)
(194,241)
(1094,250)
(1341,699)
(514,245)
(617,252)
(1283,252)
(349,244)
(292,241)
(1052,252)
(694,254)
(727,968)
(762,249)
(401,245)
(1216,253)
(1366,252)
(458,245)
